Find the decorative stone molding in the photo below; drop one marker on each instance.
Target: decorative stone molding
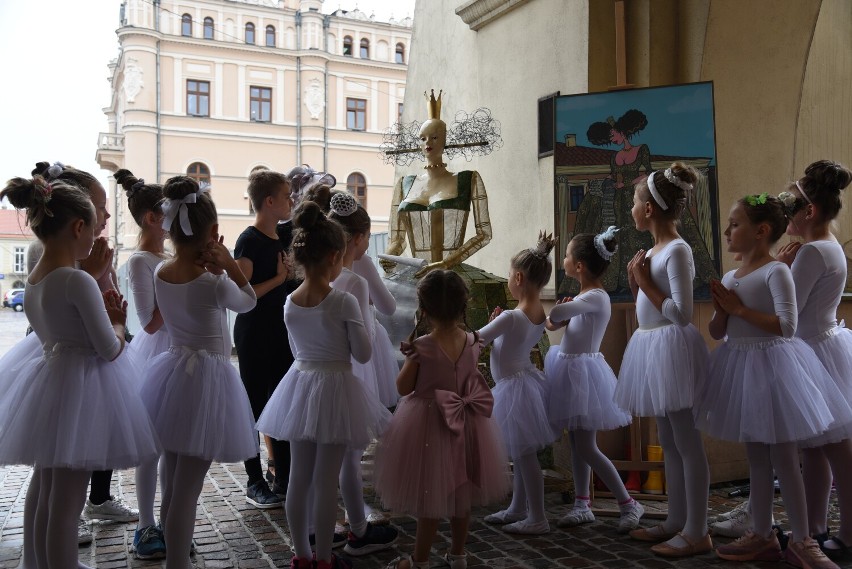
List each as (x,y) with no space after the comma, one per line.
(133,82)
(315,98)
(479,13)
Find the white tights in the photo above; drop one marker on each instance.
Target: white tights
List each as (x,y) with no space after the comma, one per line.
(784,458)
(586,456)
(52,509)
(178,509)
(146,490)
(319,465)
(528,488)
(687,474)
(818,464)
(352,490)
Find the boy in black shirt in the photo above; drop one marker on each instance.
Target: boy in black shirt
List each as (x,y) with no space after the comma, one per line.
(260,335)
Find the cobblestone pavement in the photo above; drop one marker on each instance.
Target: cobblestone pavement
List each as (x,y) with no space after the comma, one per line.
(230,533)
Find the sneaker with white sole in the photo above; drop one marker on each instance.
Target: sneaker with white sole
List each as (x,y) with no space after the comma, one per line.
(375,538)
(260,496)
(630,515)
(113,509)
(736,512)
(735,526)
(148,543)
(752,547)
(808,555)
(84,533)
(576,517)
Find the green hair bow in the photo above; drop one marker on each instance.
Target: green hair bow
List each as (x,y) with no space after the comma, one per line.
(756,200)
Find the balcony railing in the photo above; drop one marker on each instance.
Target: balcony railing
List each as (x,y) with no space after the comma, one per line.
(110,141)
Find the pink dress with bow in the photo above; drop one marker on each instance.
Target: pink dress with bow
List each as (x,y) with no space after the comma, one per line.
(443,453)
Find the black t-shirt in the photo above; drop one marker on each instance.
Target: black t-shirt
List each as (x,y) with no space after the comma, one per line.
(263,252)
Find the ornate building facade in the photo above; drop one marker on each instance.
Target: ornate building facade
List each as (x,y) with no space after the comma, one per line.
(217,88)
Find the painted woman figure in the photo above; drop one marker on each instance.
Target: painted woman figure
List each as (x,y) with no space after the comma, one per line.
(611,204)
(430,210)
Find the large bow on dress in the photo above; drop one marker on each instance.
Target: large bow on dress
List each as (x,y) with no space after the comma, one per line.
(457,411)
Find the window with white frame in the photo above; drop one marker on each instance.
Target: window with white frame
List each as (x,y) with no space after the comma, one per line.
(20,259)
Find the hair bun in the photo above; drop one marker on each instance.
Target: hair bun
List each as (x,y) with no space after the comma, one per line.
(684,173)
(179,187)
(127,180)
(343,204)
(308,215)
(829,175)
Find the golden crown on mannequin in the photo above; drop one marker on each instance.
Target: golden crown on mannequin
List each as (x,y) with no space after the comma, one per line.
(433,104)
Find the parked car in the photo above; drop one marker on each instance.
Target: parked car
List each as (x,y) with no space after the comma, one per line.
(17,301)
(7,298)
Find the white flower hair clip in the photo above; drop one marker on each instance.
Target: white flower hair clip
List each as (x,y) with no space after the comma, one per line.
(787,199)
(55,169)
(670,176)
(343,204)
(600,246)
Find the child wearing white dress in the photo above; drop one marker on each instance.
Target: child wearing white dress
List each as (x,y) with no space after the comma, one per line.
(76,408)
(364,537)
(384,360)
(193,393)
(764,387)
(580,384)
(519,406)
(819,272)
(665,359)
(144,202)
(319,405)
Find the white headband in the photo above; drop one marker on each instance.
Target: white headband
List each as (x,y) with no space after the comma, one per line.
(173,209)
(655,194)
(802,191)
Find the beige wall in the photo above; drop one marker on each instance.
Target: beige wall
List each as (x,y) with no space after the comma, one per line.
(506,66)
(227,141)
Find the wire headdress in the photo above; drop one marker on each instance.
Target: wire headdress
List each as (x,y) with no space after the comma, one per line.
(469,135)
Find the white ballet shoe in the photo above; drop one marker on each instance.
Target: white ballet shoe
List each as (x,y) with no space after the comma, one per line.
(528,528)
(504,517)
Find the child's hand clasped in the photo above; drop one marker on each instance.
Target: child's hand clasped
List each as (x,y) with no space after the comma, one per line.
(787,253)
(116,307)
(408,350)
(725,300)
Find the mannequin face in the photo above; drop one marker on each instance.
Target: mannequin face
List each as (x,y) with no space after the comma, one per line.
(433,139)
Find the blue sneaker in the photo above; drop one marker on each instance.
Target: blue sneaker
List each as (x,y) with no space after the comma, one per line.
(148,543)
(376,538)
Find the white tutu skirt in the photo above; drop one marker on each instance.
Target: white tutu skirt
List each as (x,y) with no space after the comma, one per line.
(325,403)
(70,408)
(145,346)
(834,349)
(521,413)
(386,366)
(199,406)
(660,370)
(29,349)
(767,392)
(580,390)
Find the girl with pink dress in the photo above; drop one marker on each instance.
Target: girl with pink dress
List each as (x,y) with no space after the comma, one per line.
(442,453)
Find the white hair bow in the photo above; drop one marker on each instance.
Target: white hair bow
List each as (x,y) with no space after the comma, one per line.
(173,209)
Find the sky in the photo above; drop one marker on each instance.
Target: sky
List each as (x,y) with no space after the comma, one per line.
(53,64)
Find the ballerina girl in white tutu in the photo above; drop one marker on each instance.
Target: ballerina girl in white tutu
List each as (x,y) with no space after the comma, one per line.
(319,405)
(144,202)
(75,409)
(764,387)
(580,384)
(519,393)
(665,359)
(819,271)
(192,392)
